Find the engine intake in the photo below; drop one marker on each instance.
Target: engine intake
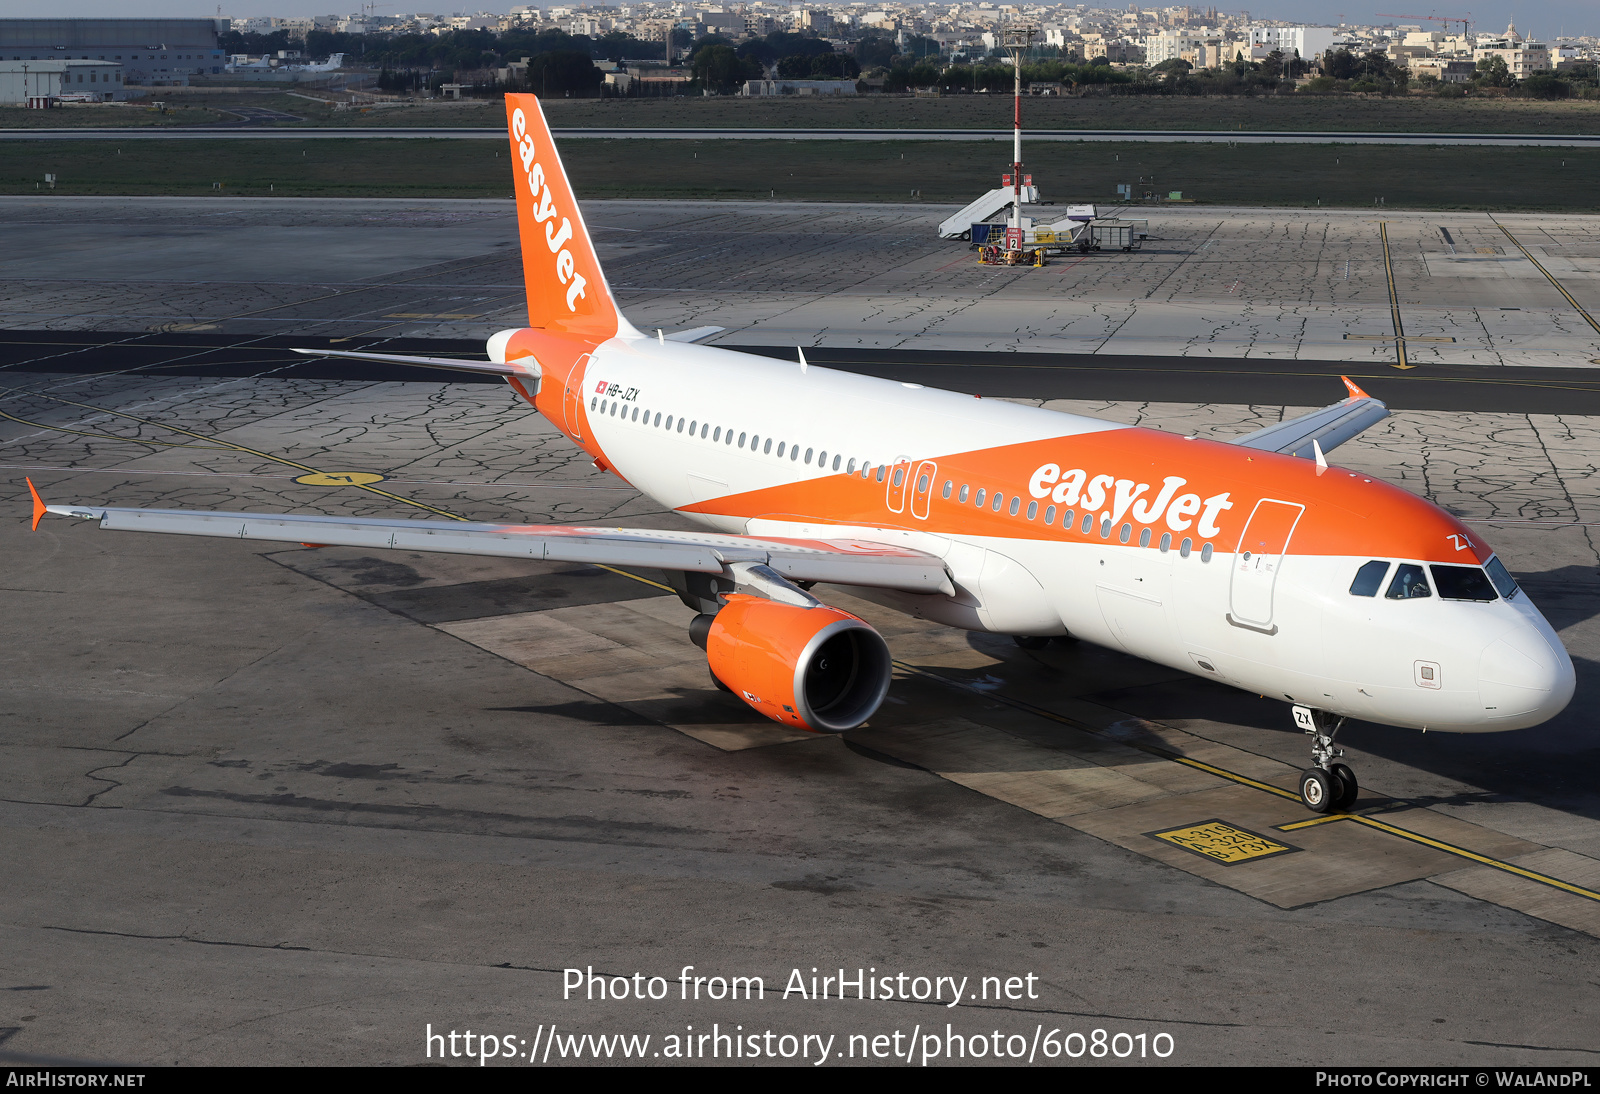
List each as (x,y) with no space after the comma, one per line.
(818,668)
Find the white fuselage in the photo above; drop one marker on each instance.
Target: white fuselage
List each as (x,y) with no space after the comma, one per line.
(1491,666)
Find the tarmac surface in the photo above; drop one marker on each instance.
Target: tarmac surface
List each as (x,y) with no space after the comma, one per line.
(271,804)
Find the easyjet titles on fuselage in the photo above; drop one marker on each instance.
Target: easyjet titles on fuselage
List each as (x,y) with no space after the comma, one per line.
(1077,487)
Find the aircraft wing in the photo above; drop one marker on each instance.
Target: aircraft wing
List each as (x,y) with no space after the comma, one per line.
(841,562)
(1323,429)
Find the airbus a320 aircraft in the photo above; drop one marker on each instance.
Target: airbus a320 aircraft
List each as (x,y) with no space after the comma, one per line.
(1252,562)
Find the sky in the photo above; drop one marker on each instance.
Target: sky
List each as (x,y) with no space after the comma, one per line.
(1543,20)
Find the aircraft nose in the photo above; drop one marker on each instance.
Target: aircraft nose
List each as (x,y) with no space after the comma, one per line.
(1525,678)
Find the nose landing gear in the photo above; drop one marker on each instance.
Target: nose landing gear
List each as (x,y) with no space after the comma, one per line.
(1326,786)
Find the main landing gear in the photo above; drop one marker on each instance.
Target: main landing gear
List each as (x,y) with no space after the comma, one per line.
(1326,786)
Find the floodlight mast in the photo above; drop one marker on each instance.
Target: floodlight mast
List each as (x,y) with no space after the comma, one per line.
(1016,38)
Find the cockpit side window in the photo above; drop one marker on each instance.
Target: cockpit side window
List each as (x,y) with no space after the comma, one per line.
(1409,583)
(1503,581)
(1462,583)
(1369,579)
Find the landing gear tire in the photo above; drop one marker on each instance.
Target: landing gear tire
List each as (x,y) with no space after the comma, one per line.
(1347,779)
(1030,642)
(1319,790)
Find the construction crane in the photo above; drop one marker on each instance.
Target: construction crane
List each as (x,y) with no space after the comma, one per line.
(1445,19)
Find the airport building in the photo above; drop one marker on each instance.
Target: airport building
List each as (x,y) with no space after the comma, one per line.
(24,83)
(152,52)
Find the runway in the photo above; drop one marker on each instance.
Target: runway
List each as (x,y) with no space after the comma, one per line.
(1192,136)
(272,804)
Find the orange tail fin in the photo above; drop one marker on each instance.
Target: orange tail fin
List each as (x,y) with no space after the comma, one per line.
(567,292)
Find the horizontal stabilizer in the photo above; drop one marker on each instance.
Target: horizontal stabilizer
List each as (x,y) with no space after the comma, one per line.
(694,334)
(492,368)
(842,562)
(1328,428)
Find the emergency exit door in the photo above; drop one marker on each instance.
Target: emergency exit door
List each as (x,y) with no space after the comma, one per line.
(895,488)
(1262,548)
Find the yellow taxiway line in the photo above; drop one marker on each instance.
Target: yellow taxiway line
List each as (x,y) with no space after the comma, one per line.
(1394,299)
(1559,287)
(1278,791)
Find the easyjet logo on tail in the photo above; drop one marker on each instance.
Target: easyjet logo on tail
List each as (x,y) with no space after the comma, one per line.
(546,213)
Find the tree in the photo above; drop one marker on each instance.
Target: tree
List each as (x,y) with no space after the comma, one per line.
(718,67)
(875,51)
(1492,72)
(564,72)
(1545,85)
(1341,64)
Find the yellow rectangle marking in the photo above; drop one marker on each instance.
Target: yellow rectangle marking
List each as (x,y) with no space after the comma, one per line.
(1222,842)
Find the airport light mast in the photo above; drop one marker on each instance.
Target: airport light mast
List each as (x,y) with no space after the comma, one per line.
(1016,37)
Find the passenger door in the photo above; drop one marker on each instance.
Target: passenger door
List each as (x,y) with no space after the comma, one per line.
(1262,548)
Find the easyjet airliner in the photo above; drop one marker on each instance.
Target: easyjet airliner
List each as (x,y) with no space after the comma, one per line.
(1252,561)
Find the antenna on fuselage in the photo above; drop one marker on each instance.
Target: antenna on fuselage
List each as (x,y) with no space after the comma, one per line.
(803,365)
(1322,461)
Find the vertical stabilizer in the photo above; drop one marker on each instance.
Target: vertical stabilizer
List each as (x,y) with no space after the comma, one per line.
(567,292)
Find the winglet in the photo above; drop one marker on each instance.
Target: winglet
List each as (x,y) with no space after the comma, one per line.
(1355,392)
(39,507)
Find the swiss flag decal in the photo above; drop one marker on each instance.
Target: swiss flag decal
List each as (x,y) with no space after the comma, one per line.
(600,388)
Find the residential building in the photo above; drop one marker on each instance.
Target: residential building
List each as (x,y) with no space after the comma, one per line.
(1444,70)
(1308,43)
(1522,58)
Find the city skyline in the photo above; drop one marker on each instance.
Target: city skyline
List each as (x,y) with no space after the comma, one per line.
(1551,20)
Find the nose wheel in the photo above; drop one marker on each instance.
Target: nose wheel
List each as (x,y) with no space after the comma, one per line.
(1326,786)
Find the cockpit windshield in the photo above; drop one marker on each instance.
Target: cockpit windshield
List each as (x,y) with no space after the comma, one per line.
(1502,578)
(1410,583)
(1462,583)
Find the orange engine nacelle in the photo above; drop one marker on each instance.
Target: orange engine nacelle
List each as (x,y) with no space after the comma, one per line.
(817,668)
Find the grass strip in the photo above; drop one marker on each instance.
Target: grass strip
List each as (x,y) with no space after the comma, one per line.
(1300,176)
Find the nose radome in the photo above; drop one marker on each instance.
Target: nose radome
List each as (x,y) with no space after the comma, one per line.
(1524,679)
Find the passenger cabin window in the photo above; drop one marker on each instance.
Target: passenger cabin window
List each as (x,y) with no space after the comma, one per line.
(1409,583)
(1462,583)
(1369,579)
(1501,577)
